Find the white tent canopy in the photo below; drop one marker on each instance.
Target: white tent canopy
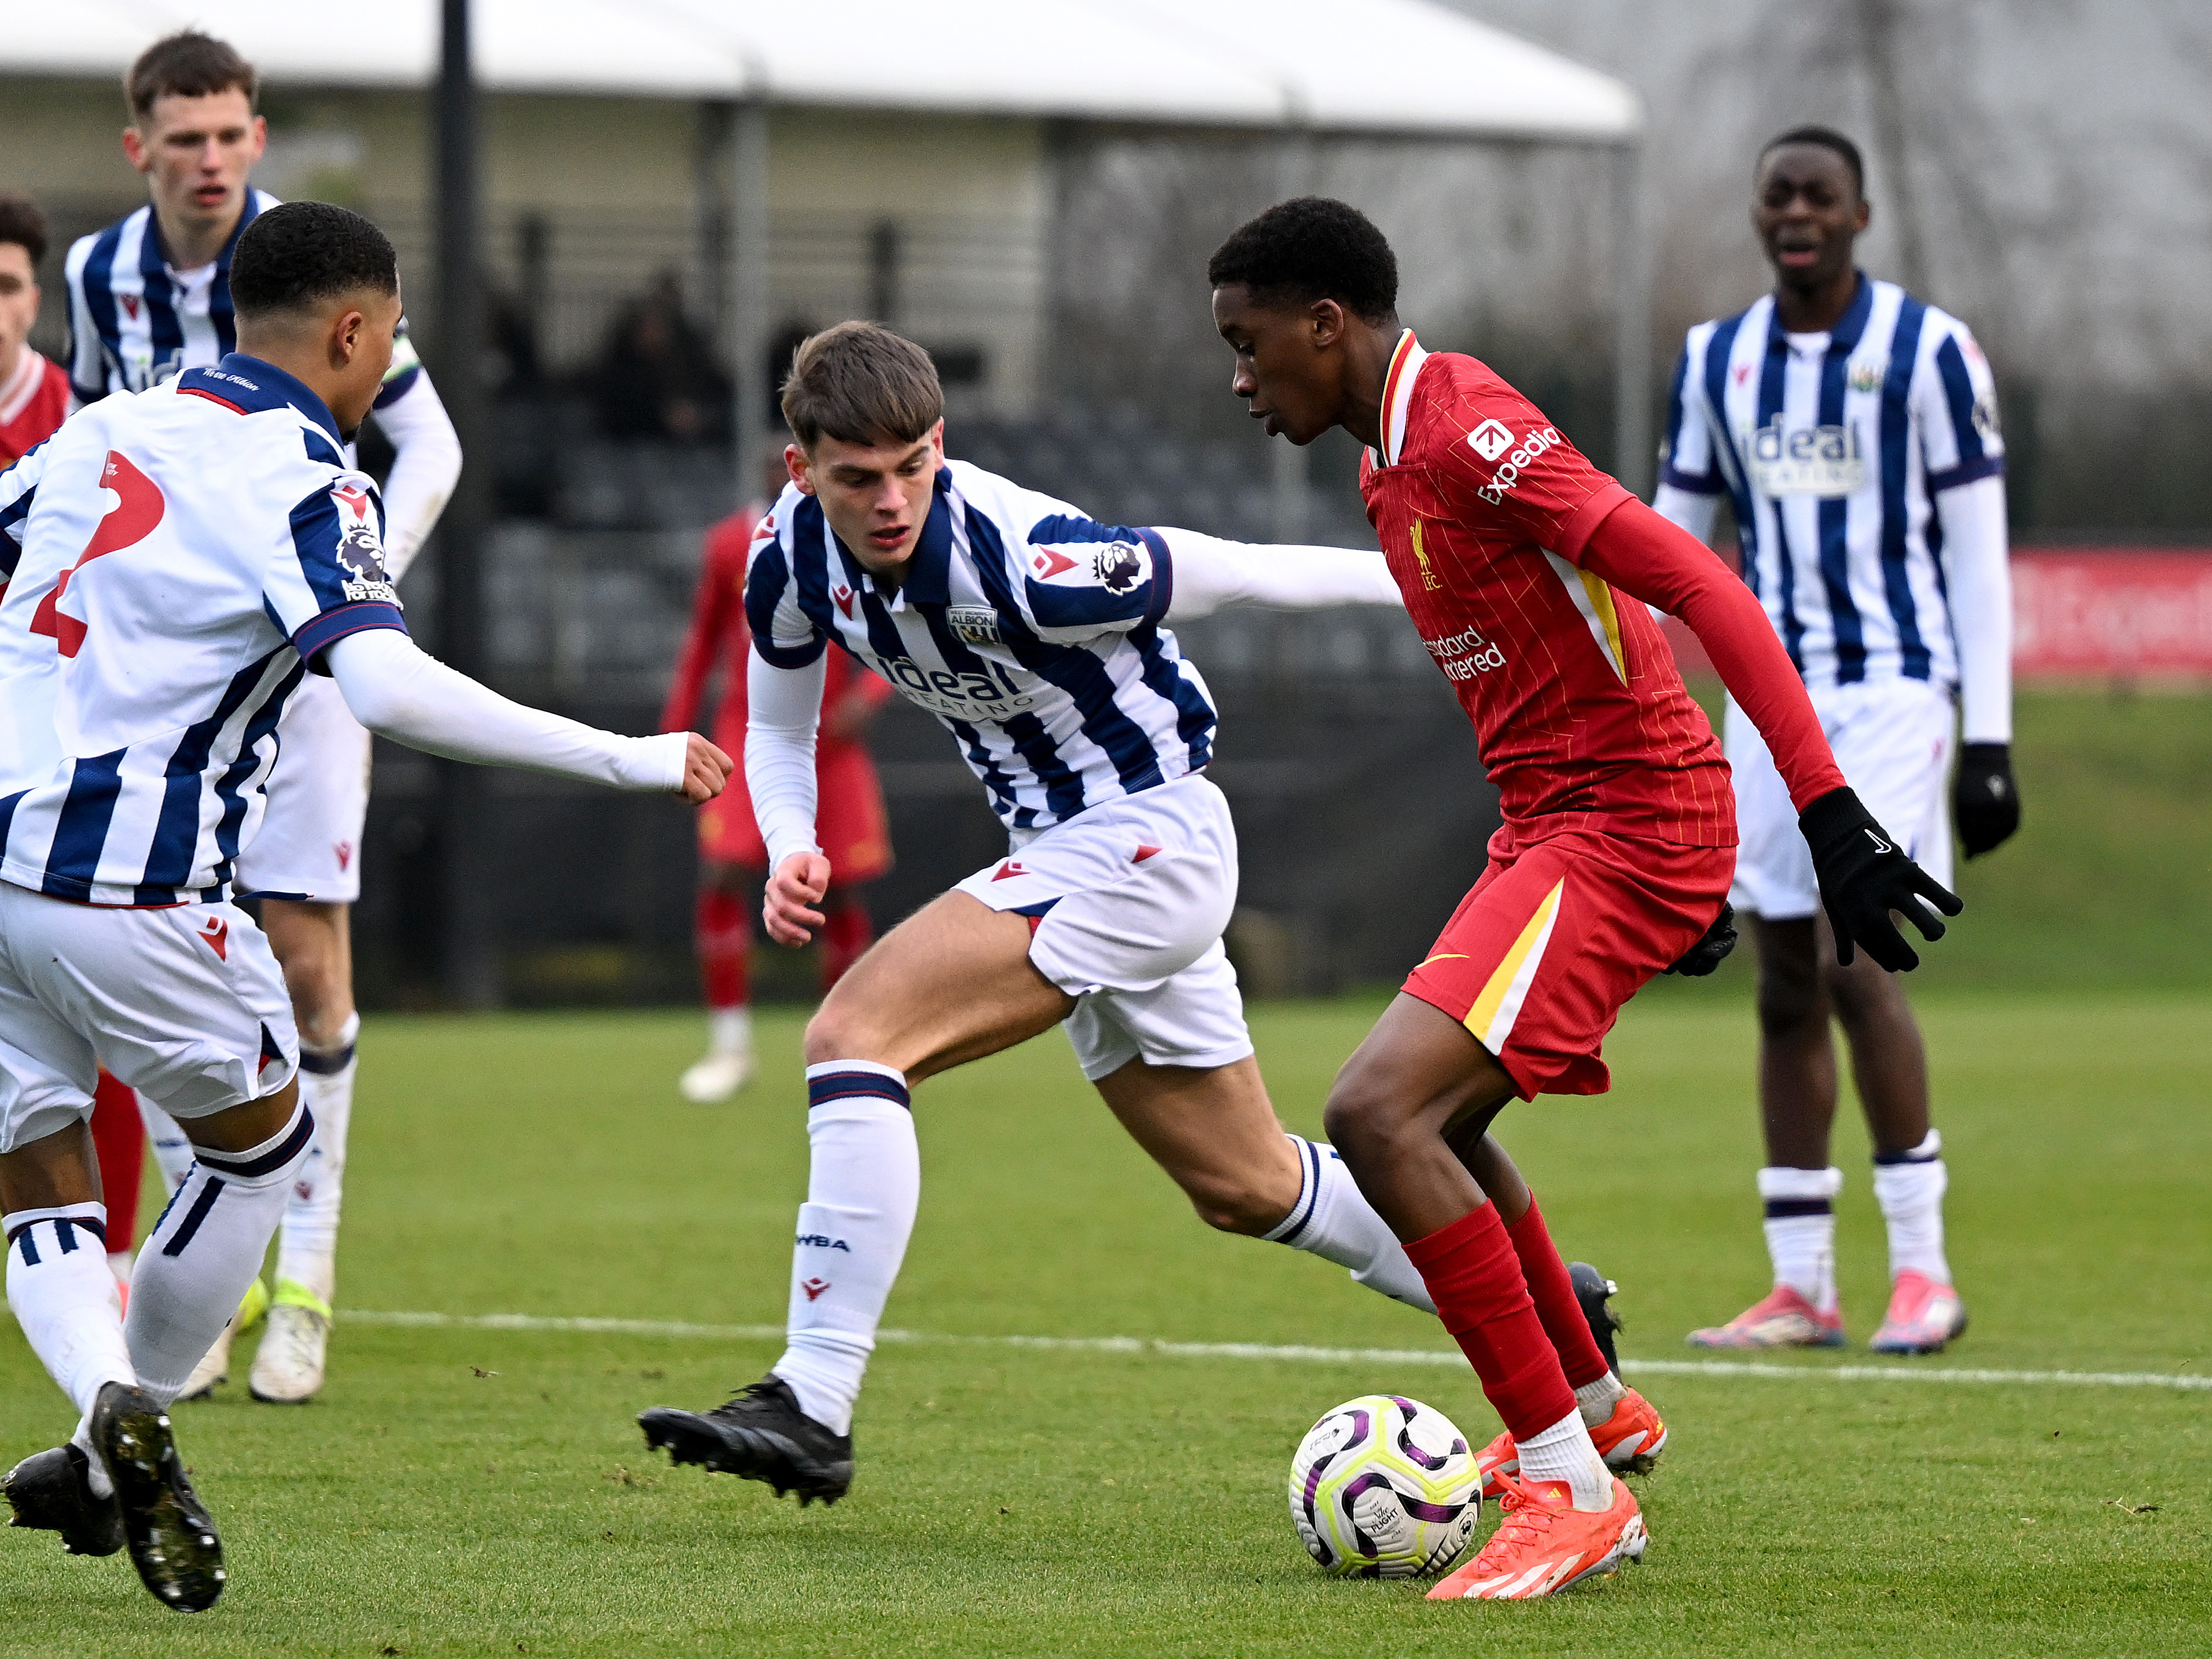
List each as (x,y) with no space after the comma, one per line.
(1369,66)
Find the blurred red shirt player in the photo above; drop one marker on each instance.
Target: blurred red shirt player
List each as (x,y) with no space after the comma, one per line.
(33,401)
(854,832)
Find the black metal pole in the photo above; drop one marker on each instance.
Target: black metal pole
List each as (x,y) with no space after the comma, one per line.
(468,957)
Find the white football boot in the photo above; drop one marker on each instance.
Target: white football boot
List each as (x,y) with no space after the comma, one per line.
(710,1081)
(213,1369)
(288,1370)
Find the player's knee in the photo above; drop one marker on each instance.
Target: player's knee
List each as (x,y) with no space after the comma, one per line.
(1863,991)
(1358,1118)
(1231,1206)
(841,1030)
(1789,1002)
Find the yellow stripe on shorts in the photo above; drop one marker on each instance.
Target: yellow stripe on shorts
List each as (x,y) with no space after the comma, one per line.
(1494,1013)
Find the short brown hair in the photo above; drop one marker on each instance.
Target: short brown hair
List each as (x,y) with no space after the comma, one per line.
(187,65)
(862,384)
(23,224)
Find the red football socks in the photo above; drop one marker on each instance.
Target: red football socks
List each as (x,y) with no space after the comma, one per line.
(1553,1293)
(725,938)
(1474,1276)
(848,933)
(119,1141)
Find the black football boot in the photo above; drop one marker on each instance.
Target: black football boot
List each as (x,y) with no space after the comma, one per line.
(761,1435)
(1591,1289)
(52,1490)
(172,1537)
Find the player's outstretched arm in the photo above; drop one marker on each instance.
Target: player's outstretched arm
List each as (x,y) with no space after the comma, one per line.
(1863,875)
(783,713)
(1210,573)
(398,691)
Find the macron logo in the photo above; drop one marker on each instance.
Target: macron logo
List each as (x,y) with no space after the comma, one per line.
(1490,440)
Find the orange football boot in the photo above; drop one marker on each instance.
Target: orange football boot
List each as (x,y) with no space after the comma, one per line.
(1545,1543)
(1629,1441)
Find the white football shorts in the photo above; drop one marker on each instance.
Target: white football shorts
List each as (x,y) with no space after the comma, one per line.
(186,1005)
(1893,740)
(1126,905)
(309,842)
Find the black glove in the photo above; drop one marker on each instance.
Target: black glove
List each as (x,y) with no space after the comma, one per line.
(1863,878)
(1709,953)
(1984,798)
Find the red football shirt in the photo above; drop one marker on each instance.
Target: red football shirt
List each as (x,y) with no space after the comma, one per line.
(33,401)
(1484,511)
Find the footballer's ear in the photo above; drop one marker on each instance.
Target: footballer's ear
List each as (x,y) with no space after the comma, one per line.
(1325,319)
(795,462)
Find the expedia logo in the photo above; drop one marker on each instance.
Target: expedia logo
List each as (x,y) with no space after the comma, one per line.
(1827,461)
(822,1242)
(1508,473)
(1463,656)
(1490,440)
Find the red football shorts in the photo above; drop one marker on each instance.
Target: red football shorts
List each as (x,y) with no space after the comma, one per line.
(848,816)
(1560,932)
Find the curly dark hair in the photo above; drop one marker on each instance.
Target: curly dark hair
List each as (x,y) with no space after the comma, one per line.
(1312,248)
(299,253)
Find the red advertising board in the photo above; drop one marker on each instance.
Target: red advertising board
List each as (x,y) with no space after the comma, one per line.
(2116,613)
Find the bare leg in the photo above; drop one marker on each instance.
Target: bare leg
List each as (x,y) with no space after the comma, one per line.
(1216,1134)
(314,944)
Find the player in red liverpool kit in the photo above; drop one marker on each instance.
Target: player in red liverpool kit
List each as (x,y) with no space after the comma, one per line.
(854,832)
(1527,572)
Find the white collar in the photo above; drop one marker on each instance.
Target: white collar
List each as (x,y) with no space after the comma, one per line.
(1398,394)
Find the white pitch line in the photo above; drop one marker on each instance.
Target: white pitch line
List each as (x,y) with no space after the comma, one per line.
(1132,1345)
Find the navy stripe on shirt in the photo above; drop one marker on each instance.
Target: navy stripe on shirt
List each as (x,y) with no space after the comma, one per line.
(1913,660)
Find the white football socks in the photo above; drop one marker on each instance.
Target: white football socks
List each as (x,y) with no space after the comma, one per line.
(730,1030)
(1565,1452)
(1801,1229)
(69,1307)
(1332,1220)
(1597,1400)
(1910,1187)
(171,1147)
(205,1250)
(308,1255)
(863,1189)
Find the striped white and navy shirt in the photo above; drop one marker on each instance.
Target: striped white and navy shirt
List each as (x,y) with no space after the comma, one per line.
(135,320)
(1032,631)
(173,562)
(1833,448)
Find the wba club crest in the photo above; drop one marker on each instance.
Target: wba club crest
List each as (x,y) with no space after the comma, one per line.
(360,549)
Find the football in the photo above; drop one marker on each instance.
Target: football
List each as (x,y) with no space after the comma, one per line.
(1383,1488)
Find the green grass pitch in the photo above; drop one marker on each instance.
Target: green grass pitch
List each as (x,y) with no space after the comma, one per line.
(470,1491)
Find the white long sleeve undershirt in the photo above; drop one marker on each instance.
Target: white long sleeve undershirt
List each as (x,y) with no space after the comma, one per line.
(1978,582)
(399,691)
(783,711)
(426,464)
(1211,573)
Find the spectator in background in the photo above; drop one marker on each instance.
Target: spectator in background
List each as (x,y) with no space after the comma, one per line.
(850,818)
(33,391)
(658,379)
(34,399)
